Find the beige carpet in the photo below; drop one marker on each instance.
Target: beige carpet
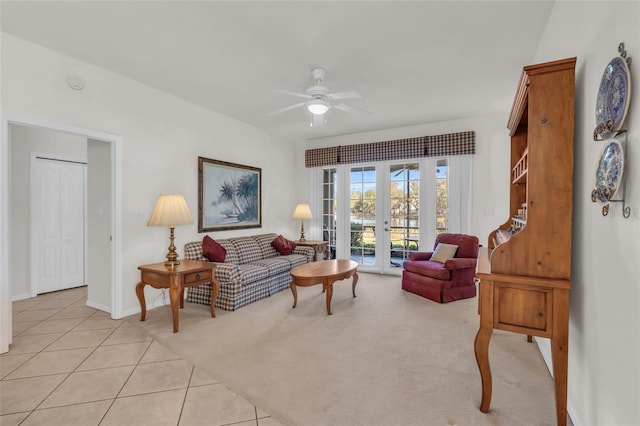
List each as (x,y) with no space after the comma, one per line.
(386,357)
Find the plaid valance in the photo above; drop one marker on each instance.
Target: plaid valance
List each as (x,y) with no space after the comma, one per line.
(423,146)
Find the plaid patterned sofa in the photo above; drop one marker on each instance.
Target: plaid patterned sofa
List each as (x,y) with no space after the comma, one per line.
(252,270)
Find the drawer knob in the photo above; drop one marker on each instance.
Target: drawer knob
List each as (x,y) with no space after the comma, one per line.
(198,276)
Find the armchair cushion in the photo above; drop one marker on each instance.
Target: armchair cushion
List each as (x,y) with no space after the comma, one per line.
(428,268)
(443,252)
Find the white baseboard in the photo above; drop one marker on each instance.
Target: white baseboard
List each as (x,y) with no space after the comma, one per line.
(136,311)
(98,306)
(157,302)
(21,297)
(132,311)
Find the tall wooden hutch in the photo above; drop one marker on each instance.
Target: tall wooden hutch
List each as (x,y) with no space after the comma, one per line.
(525,272)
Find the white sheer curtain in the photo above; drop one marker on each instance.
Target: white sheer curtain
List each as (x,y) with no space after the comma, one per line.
(460,196)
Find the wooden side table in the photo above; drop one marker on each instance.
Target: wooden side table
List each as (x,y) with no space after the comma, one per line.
(318,247)
(189,273)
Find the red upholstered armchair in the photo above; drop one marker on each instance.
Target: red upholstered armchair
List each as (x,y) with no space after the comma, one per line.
(444,281)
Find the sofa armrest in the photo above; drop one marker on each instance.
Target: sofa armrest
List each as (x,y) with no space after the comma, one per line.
(420,255)
(228,275)
(460,263)
(304,251)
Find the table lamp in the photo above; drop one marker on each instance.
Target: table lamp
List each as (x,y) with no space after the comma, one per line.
(171,210)
(302,212)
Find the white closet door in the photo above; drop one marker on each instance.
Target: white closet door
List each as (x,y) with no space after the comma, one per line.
(58,212)
(72,225)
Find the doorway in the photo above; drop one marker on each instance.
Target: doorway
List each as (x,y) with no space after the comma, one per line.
(10,263)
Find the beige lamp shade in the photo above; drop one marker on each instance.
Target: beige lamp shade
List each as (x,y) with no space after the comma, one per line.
(170,210)
(302,212)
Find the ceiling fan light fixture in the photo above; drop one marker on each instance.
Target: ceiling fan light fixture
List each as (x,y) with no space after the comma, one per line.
(317,106)
(318,100)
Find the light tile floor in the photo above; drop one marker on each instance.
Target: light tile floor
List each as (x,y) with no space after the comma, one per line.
(73,365)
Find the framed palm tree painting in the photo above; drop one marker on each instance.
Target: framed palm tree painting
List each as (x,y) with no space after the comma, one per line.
(229,196)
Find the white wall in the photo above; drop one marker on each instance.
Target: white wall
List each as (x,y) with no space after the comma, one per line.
(162,136)
(490,174)
(99,226)
(25,141)
(604,329)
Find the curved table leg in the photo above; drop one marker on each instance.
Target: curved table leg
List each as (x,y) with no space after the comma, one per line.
(295,293)
(143,304)
(355,281)
(481,347)
(215,285)
(329,289)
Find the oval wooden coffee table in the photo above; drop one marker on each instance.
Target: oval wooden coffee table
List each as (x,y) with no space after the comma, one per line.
(324,272)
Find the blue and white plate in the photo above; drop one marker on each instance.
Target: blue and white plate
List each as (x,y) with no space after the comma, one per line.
(613,96)
(609,170)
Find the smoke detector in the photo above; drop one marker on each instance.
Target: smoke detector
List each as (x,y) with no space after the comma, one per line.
(75,82)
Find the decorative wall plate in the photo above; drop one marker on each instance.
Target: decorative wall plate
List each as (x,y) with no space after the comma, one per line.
(609,170)
(614,93)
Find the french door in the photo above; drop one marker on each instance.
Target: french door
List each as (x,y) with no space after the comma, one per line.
(384,214)
(377,214)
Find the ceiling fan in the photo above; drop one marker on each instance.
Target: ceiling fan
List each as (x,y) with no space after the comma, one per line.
(319,100)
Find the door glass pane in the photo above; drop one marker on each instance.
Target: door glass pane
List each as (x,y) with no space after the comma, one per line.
(329,206)
(362,206)
(442,196)
(404,190)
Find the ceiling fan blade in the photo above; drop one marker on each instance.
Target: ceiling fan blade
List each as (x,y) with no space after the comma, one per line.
(288,108)
(289,92)
(351,109)
(317,120)
(345,95)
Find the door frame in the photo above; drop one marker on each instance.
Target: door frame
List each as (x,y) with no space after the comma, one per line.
(33,249)
(5,217)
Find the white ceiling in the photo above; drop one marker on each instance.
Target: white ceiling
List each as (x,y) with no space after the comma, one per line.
(413,62)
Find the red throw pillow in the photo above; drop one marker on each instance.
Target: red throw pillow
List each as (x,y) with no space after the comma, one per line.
(212,250)
(283,246)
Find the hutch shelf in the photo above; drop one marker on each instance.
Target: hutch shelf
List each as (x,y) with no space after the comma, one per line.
(524,273)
